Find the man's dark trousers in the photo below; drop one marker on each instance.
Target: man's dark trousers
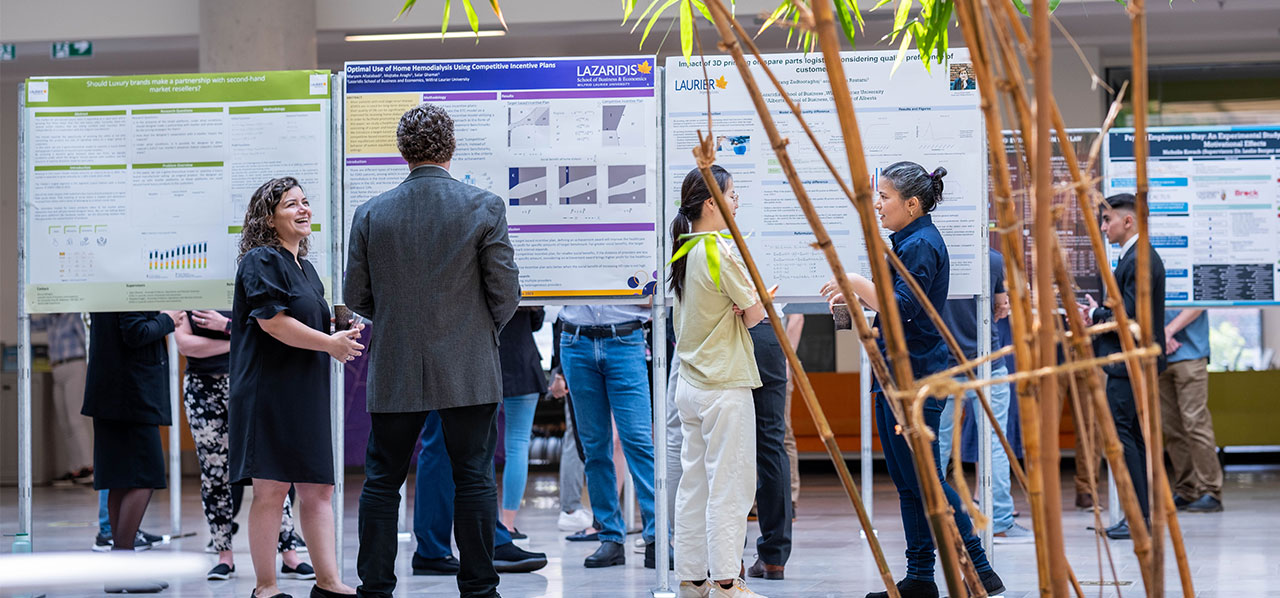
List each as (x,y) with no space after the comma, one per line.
(1124,411)
(470,436)
(773,468)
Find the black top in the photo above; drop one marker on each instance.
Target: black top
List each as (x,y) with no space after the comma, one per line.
(961,314)
(217,365)
(521,362)
(279,406)
(1126,277)
(128,377)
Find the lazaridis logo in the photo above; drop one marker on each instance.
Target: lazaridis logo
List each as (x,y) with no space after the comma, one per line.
(701,84)
(614,70)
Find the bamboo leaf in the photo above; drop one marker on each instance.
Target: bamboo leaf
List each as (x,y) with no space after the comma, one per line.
(713,259)
(902,52)
(900,18)
(627,7)
(773,17)
(846,21)
(444,24)
(1053,4)
(881,3)
(702,8)
(686,29)
(497,10)
(684,249)
(857,13)
(408,5)
(647,10)
(654,19)
(472,19)
(1022,8)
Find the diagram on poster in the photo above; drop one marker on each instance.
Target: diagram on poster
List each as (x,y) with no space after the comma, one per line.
(136,187)
(575,139)
(1214,202)
(912,114)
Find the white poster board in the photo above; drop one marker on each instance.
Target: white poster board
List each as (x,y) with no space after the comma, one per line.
(1214,203)
(569,143)
(913,114)
(136,187)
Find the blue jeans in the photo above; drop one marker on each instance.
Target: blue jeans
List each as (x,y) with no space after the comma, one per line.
(519,426)
(998,396)
(104,521)
(608,377)
(433,496)
(915,523)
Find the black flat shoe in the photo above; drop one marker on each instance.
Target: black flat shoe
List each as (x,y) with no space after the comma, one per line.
(253,594)
(765,571)
(582,536)
(509,558)
(319,592)
(911,588)
(445,566)
(992,583)
(651,557)
(1119,531)
(516,535)
(135,588)
(1205,504)
(608,555)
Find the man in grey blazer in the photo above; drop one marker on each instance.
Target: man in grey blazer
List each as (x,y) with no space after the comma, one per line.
(430,263)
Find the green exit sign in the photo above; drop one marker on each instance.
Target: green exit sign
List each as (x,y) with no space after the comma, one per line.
(80,49)
(8,52)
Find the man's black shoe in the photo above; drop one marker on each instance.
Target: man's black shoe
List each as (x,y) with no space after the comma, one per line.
(911,588)
(991,582)
(608,555)
(1119,531)
(1181,503)
(509,558)
(651,557)
(1205,504)
(583,536)
(445,566)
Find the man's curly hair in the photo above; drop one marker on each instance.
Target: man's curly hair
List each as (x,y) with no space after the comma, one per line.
(425,135)
(258,231)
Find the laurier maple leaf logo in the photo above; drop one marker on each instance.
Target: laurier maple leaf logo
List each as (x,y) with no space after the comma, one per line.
(721,82)
(645,68)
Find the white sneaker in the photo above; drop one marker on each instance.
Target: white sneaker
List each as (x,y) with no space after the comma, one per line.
(689,590)
(572,522)
(738,590)
(638,546)
(1014,535)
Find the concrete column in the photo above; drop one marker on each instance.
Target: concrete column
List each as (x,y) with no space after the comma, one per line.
(257,35)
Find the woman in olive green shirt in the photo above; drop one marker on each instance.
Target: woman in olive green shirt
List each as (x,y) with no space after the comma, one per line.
(715,305)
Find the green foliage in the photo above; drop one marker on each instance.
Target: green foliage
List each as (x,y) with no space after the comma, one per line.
(472,18)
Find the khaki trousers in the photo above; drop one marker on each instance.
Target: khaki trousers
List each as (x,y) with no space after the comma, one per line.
(1188,430)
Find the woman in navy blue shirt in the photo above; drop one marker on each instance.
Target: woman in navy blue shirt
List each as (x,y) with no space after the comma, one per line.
(907,194)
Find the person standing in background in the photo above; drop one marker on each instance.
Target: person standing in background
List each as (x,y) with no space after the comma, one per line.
(74,450)
(523,383)
(127,395)
(1195,473)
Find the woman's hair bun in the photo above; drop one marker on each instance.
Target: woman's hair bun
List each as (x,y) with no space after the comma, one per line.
(938,173)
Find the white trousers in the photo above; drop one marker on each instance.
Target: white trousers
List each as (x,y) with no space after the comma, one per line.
(719,480)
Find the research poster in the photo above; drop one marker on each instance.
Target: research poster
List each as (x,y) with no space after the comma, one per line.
(1214,200)
(570,144)
(1072,224)
(136,187)
(913,114)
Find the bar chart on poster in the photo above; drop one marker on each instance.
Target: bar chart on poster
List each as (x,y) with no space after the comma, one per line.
(136,187)
(1214,197)
(913,114)
(569,144)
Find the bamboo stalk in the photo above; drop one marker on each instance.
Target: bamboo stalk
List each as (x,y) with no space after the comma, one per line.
(1042,176)
(721,19)
(1015,280)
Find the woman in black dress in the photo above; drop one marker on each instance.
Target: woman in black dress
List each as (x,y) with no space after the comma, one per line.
(279,407)
(127,395)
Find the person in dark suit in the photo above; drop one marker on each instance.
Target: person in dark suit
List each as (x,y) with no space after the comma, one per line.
(430,263)
(963,82)
(127,395)
(1119,223)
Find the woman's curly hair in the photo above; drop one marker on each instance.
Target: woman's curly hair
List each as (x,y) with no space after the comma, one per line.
(258,231)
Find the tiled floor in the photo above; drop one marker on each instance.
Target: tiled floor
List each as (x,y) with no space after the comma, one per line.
(1232,554)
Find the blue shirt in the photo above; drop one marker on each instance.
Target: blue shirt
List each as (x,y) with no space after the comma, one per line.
(603,315)
(920,247)
(1194,337)
(66,335)
(961,315)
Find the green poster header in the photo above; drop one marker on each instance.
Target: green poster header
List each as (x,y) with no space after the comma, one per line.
(81,167)
(177,89)
(196,110)
(270,109)
(180,165)
(84,113)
